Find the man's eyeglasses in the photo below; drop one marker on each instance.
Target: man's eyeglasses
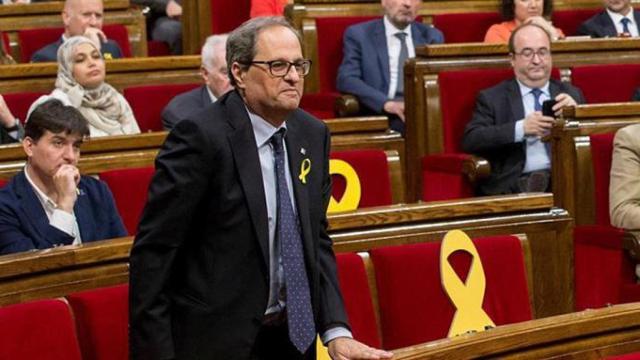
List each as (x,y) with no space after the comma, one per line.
(528,53)
(281,68)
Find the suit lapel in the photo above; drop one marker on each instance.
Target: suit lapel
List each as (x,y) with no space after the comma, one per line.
(82,211)
(636,17)
(554,89)
(608,27)
(515,101)
(295,145)
(380,41)
(31,206)
(245,152)
(416,35)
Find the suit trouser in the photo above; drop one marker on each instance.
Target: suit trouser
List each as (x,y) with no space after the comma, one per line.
(272,343)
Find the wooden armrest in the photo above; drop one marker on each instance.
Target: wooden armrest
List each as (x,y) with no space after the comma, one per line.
(347,105)
(631,243)
(476,168)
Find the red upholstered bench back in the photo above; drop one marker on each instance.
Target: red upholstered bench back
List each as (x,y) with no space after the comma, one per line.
(102,318)
(41,329)
(148,101)
(373,172)
(606,83)
(465,27)
(354,285)
(227,15)
(601,152)
(569,20)
(19,103)
(32,40)
(330,36)
(413,305)
(129,188)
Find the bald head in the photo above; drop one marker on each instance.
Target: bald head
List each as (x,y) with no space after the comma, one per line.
(78,15)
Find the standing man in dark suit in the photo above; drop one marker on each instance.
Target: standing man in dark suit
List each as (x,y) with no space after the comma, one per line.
(508,124)
(618,19)
(374,54)
(49,204)
(216,83)
(81,17)
(232,259)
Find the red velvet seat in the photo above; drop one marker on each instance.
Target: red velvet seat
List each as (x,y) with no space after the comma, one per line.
(569,20)
(357,298)
(129,188)
(604,273)
(148,101)
(465,27)
(226,15)
(19,103)
(38,330)
(413,305)
(632,356)
(32,40)
(606,83)
(157,48)
(373,172)
(102,318)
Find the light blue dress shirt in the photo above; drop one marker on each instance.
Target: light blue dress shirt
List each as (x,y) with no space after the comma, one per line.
(537,157)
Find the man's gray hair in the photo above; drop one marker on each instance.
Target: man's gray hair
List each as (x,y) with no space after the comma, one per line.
(211,47)
(241,45)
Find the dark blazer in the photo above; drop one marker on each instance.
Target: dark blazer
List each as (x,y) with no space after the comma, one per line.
(601,25)
(199,275)
(24,224)
(184,105)
(50,52)
(364,71)
(636,95)
(490,133)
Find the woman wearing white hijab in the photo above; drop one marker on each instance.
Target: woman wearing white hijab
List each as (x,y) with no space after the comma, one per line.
(80,83)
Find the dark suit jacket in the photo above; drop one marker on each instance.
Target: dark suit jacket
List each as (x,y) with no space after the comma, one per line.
(50,52)
(24,224)
(636,95)
(199,276)
(364,71)
(184,105)
(601,25)
(490,133)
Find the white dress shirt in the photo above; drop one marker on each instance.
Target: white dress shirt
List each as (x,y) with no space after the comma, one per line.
(537,157)
(393,48)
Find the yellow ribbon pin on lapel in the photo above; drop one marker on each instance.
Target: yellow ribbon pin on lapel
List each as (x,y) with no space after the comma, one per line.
(305,169)
(466,296)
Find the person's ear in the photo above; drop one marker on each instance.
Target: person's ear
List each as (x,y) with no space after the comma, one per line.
(27,146)
(238,75)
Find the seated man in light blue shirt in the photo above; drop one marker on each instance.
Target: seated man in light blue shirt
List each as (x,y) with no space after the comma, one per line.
(508,124)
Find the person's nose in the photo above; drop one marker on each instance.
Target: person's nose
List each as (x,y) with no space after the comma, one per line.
(70,155)
(292,75)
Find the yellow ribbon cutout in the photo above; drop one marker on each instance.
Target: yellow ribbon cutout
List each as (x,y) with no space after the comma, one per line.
(352,192)
(322,353)
(466,297)
(305,169)
(107,56)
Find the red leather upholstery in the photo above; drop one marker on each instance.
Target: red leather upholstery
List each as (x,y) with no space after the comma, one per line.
(129,188)
(465,27)
(157,48)
(227,15)
(606,83)
(413,305)
(569,20)
(148,101)
(41,329)
(102,318)
(373,172)
(320,105)
(32,40)
(19,103)
(632,356)
(357,298)
(601,152)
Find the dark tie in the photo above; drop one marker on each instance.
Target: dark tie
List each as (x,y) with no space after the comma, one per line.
(536,99)
(625,25)
(300,317)
(404,55)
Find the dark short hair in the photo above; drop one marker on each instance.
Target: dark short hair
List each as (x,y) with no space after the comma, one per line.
(508,9)
(241,44)
(55,117)
(512,47)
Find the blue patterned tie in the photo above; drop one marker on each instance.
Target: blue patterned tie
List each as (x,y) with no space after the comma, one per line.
(402,57)
(536,99)
(302,331)
(625,25)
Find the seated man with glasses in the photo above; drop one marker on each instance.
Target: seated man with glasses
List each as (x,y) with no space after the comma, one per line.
(508,123)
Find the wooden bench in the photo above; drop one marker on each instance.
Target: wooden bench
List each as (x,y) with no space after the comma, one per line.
(47,15)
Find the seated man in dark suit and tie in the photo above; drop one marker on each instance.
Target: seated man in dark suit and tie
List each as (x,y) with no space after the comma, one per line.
(618,19)
(216,83)
(232,259)
(508,123)
(374,54)
(49,204)
(81,17)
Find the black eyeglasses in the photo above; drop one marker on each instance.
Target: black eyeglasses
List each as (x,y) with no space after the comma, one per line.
(281,68)
(528,53)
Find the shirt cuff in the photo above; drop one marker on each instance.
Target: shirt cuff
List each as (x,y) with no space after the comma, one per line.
(335,333)
(63,221)
(519,131)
